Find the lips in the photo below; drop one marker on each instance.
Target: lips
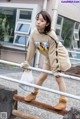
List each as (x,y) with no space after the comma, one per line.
(37,26)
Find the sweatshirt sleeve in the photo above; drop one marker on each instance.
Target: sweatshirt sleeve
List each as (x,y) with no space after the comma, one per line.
(31,50)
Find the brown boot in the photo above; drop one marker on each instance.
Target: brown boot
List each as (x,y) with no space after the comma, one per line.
(31,96)
(62,103)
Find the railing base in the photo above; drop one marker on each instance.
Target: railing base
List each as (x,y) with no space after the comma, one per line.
(23,115)
(40,105)
(7,104)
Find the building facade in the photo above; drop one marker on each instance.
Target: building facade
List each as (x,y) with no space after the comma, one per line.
(17,19)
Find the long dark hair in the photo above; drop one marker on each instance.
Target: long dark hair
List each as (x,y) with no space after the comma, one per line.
(47,18)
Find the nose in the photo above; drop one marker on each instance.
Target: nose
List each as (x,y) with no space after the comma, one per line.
(38,21)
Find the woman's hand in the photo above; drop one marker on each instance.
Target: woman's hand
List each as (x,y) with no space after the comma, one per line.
(24,64)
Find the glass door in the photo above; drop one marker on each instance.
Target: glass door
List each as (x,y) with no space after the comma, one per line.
(7,24)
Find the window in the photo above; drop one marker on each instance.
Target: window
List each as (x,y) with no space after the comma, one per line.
(59,27)
(76,31)
(77,26)
(59,20)
(24,14)
(22,32)
(76,36)
(22,27)
(58,32)
(67,31)
(21,40)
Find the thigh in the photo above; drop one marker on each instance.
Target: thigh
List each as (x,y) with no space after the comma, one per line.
(43,75)
(46,66)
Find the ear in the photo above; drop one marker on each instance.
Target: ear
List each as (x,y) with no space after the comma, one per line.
(47,24)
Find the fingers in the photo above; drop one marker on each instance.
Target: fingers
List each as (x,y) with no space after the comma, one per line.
(25,64)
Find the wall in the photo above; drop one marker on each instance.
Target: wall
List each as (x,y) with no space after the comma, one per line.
(10,55)
(69,10)
(40,2)
(51,6)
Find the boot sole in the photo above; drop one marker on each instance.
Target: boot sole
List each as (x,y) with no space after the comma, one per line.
(28,100)
(57,109)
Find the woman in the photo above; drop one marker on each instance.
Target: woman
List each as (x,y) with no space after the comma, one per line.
(39,39)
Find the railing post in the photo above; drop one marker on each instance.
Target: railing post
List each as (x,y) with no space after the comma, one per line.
(7,104)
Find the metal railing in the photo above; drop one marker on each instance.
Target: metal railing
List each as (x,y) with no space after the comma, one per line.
(40,87)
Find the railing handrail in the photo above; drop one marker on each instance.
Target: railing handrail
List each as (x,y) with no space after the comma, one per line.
(41,87)
(40,70)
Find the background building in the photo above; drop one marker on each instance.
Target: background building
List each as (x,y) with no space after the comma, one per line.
(17,19)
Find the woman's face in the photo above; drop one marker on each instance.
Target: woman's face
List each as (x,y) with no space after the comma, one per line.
(40,23)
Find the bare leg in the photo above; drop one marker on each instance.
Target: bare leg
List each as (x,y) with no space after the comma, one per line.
(39,82)
(63,100)
(42,76)
(61,84)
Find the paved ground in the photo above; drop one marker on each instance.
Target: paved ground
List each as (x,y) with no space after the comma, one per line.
(73,87)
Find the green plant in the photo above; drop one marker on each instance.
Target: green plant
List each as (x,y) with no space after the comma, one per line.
(5,29)
(67,42)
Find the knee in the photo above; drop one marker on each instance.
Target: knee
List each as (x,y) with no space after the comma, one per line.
(58,79)
(44,76)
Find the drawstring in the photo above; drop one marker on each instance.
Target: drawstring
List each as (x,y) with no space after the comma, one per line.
(57,61)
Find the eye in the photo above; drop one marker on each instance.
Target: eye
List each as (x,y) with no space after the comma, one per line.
(37,18)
